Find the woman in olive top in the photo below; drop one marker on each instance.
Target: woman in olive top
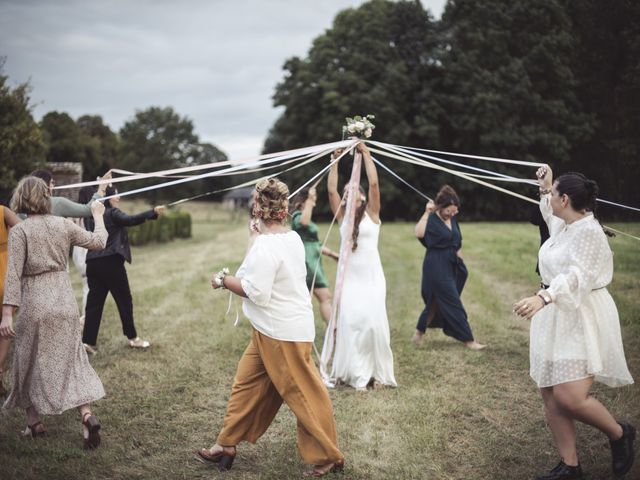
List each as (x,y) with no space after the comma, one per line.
(301,224)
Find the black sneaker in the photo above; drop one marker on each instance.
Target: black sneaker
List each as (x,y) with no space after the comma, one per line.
(562,471)
(622,450)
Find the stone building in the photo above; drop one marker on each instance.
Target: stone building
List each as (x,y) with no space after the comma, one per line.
(66,173)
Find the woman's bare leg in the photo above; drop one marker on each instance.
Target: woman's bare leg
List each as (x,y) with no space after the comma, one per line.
(562,427)
(574,399)
(324,298)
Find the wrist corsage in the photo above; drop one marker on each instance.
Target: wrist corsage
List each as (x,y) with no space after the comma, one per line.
(219,277)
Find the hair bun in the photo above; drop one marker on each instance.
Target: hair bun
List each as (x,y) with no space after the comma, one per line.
(592,188)
(446,196)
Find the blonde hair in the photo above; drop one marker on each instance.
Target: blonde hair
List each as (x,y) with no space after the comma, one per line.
(271,200)
(31,197)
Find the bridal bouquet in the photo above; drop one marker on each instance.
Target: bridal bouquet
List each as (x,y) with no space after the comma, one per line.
(358,126)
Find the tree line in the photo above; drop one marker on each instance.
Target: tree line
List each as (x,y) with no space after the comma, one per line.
(156,138)
(553,81)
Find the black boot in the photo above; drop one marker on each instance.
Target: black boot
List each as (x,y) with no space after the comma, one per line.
(622,450)
(563,472)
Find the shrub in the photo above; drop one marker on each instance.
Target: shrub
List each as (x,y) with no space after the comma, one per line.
(167,227)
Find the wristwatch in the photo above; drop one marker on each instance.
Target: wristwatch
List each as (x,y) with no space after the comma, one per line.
(546,298)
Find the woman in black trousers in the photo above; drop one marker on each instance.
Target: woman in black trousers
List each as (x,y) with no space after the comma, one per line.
(106,273)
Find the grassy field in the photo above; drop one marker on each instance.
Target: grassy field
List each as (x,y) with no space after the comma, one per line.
(456,414)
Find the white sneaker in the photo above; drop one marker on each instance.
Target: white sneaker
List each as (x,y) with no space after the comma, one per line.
(89,349)
(139,343)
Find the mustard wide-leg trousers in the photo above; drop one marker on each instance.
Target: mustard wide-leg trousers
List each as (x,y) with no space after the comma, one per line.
(270,372)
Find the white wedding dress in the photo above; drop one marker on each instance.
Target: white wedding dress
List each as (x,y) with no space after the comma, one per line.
(362,349)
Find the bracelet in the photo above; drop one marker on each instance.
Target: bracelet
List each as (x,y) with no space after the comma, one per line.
(219,277)
(545,191)
(546,301)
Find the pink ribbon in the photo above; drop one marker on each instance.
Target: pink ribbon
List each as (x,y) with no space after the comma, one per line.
(345,250)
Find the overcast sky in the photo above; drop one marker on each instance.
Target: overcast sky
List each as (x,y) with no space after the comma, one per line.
(216,62)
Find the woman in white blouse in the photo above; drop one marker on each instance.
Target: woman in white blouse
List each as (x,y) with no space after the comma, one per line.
(277,365)
(575,329)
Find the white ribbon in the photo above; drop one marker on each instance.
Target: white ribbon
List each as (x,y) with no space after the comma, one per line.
(253,161)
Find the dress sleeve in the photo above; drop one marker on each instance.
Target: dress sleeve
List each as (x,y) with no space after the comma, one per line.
(259,272)
(590,250)
(17,251)
(80,237)
(295,220)
(554,223)
(63,207)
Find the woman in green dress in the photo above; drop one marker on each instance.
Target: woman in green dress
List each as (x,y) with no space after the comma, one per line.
(308,231)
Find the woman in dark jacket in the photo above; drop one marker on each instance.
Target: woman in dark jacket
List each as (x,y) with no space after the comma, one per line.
(443,271)
(106,273)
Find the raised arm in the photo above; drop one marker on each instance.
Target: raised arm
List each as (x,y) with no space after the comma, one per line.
(373,206)
(124,220)
(421,226)
(307,210)
(335,199)
(95,240)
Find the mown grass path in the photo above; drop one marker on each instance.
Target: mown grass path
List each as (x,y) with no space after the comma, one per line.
(456,414)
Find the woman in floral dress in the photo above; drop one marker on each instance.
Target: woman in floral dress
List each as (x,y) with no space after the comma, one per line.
(51,371)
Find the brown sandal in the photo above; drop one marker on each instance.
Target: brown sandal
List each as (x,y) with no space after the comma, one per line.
(35,430)
(92,441)
(322,470)
(224,458)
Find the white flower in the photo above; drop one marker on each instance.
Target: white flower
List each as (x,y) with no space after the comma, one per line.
(368,132)
(359,126)
(352,128)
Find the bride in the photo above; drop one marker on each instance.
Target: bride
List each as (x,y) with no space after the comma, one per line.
(362,351)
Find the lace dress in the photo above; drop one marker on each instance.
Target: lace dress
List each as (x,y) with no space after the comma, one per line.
(578,335)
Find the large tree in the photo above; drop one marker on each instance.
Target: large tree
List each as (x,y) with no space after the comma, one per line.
(22,148)
(509,88)
(100,144)
(63,137)
(606,65)
(381,59)
(159,139)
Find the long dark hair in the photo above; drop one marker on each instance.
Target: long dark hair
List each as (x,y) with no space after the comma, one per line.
(300,198)
(359,216)
(85,194)
(110,190)
(582,193)
(45,175)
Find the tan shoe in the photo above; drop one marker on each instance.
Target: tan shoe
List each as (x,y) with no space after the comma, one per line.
(89,349)
(139,343)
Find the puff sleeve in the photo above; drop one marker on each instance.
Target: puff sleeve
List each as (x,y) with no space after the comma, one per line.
(587,259)
(259,271)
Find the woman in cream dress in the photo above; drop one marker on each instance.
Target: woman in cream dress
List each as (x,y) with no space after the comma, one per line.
(575,329)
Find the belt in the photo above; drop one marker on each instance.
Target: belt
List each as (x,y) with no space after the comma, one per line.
(543,286)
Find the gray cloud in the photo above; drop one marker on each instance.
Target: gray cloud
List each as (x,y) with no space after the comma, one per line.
(216,62)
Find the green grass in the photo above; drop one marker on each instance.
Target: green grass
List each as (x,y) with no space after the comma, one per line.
(456,414)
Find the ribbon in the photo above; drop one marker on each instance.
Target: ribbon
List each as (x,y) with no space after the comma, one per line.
(410,159)
(345,251)
(257,160)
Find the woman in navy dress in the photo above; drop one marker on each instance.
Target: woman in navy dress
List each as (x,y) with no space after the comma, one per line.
(443,271)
